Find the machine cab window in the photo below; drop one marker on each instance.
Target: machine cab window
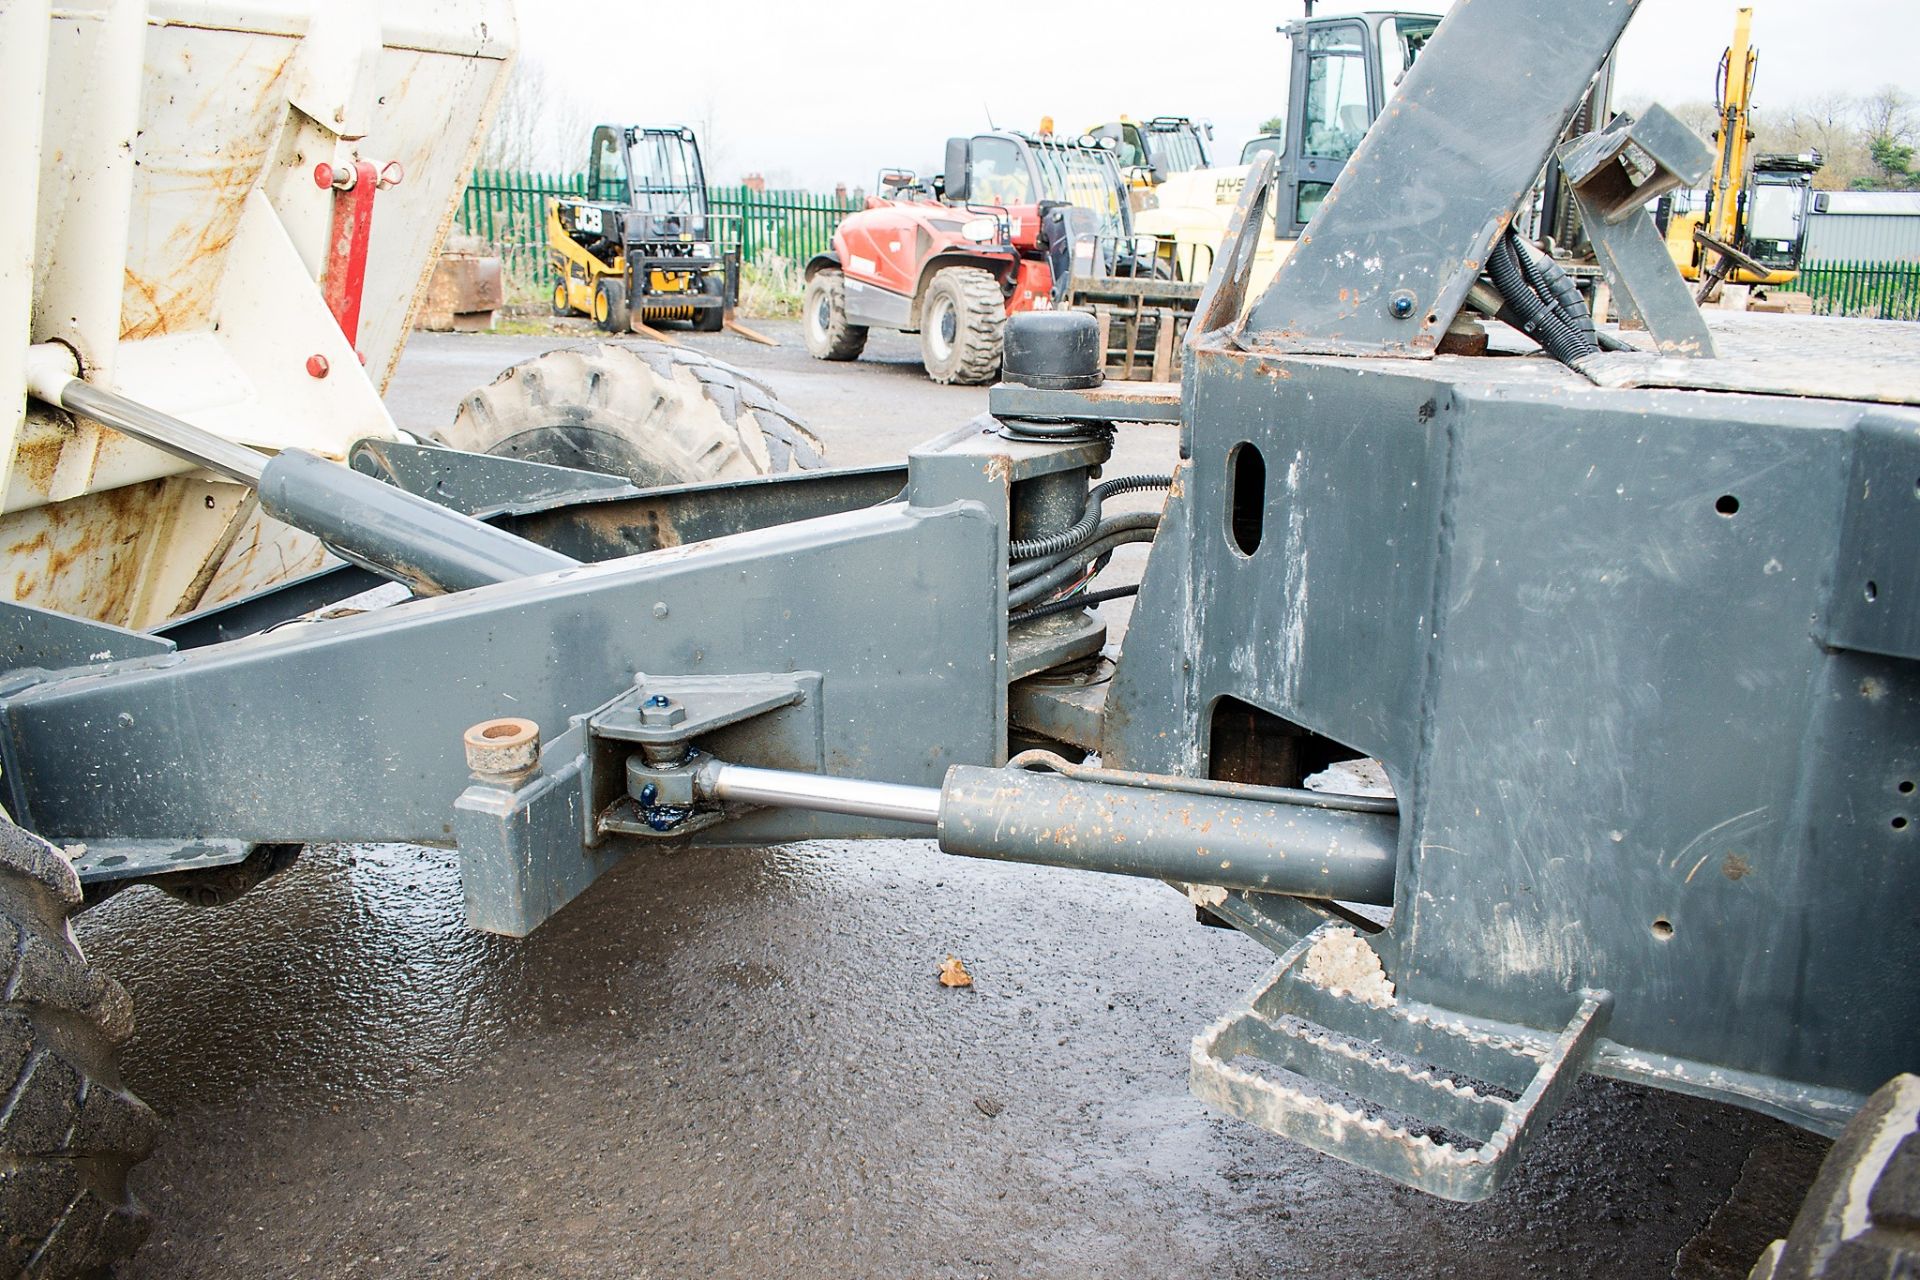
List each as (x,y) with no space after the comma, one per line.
(1337,112)
(1000,174)
(607,168)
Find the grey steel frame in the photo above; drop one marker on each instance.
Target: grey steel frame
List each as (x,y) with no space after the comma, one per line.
(1640,663)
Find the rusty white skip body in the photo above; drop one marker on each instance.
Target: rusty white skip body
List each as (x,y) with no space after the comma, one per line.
(167,223)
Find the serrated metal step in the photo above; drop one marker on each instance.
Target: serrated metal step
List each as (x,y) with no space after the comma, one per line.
(1320,1065)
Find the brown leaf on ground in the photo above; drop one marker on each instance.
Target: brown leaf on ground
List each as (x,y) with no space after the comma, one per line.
(954,974)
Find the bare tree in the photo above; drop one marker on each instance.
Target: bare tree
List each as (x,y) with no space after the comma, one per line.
(1889,113)
(540,124)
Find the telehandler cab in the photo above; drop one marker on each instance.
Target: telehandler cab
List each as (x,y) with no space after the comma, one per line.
(642,245)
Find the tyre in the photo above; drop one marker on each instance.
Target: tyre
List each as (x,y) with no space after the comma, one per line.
(823,314)
(963,323)
(1861,1219)
(654,414)
(713,321)
(610,310)
(69,1130)
(561,305)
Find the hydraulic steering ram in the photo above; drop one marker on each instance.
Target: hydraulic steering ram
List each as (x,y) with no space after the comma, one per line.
(394,533)
(1192,836)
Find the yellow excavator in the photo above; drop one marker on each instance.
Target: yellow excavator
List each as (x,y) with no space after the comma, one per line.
(1752,228)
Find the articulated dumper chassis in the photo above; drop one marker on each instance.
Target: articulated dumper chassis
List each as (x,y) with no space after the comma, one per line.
(1634,635)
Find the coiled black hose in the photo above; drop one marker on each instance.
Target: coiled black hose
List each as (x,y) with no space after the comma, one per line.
(1540,317)
(1072,566)
(1552,283)
(1034,566)
(1083,529)
(1084,601)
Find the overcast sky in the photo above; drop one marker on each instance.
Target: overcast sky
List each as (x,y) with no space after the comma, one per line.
(810,94)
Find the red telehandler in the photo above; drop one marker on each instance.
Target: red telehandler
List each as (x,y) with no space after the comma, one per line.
(1006,229)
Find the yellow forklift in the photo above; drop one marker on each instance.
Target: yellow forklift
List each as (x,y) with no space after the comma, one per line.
(1752,228)
(639,248)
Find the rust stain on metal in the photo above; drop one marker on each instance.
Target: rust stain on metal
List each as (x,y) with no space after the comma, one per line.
(84,556)
(1735,867)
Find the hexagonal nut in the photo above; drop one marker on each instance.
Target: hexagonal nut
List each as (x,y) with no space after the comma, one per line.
(502,747)
(662,717)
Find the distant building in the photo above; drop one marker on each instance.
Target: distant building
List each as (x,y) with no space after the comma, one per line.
(754,183)
(1864,226)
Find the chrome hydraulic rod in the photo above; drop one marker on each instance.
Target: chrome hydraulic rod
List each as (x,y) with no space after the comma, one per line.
(1015,815)
(51,377)
(781,788)
(399,535)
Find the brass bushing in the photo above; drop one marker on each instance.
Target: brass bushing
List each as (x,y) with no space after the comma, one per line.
(502,747)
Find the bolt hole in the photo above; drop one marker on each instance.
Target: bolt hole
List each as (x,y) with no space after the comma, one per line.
(1900,822)
(1663,928)
(1727,504)
(499,731)
(1872,592)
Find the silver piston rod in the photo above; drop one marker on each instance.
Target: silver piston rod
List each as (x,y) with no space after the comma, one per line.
(399,535)
(1014,815)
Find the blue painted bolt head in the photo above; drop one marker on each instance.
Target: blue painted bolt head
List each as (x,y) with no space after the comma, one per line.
(659,700)
(1401,304)
(649,793)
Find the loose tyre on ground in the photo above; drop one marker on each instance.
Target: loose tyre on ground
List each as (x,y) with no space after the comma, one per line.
(963,323)
(655,414)
(823,315)
(69,1130)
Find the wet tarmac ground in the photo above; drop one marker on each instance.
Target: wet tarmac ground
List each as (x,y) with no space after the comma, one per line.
(740,1063)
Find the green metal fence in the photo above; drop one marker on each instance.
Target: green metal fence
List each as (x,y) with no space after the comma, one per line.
(1876,290)
(509,210)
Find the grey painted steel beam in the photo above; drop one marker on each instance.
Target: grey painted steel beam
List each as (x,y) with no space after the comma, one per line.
(350,728)
(1386,262)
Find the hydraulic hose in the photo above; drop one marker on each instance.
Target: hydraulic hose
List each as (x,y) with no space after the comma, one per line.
(1027,570)
(1555,286)
(1086,601)
(1540,319)
(1083,529)
(1065,571)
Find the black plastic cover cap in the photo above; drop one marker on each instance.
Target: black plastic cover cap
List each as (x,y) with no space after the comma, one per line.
(1053,350)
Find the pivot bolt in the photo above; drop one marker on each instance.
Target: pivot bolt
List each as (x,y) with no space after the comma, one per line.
(317,366)
(1401,304)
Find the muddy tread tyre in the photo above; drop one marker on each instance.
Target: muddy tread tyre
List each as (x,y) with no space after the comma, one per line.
(611,310)
(972,357)
(1861,1219)
(69,1130)
(655,414)
(714,319)
(823,318)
